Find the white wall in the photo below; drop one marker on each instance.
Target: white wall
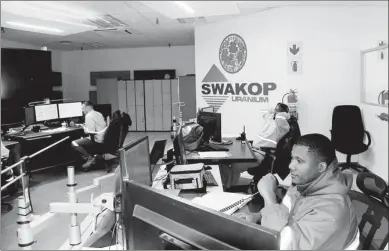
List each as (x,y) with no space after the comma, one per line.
(12,44)
(77,65)
(332,39)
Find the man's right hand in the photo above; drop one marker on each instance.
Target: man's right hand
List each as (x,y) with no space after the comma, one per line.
(251,217)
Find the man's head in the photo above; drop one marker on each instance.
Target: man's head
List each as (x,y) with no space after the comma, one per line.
(281,107)
(311,156)
(87,106)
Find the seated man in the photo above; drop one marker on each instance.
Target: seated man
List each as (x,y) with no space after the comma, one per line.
(94,125)
(316,213)
(274,128)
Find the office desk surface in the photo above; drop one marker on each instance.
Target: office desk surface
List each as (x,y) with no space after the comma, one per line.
(158,178)
(46,133)
(238,153)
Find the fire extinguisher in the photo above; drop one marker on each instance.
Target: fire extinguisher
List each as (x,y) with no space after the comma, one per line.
(383,98)
(292,102)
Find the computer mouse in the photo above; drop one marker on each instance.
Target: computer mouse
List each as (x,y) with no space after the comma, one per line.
(206,168)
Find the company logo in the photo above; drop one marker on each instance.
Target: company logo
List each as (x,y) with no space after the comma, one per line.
(233,53)
(216,90)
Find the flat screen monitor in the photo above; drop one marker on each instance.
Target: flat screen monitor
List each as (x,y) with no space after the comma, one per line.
(46,112)
(212,125)
(135,161)
(154,220)
(70,110)
(179,150)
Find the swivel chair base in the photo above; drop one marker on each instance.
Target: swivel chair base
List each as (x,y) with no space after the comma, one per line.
(352,165)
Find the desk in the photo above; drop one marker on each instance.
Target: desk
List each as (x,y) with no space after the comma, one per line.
(252,206)
(239,153)
(33,142)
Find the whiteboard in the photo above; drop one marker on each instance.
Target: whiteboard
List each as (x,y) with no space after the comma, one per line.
(375,76)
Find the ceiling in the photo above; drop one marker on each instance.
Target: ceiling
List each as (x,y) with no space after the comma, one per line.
(72,25)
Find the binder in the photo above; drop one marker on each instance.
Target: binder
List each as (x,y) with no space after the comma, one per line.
(224,202)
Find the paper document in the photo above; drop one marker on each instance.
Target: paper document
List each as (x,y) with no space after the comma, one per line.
(227,203)
(216,154)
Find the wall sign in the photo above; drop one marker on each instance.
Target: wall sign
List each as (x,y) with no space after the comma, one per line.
(216,89)
(294,58)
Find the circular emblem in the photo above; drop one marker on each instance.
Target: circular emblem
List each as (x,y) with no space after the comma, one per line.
(233,53)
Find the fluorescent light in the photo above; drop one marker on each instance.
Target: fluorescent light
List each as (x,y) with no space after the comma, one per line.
(34,27)
(185,7)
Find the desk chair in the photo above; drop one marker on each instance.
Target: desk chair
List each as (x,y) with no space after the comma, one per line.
(372,207)
(113,140)
(347,134)
(277,159)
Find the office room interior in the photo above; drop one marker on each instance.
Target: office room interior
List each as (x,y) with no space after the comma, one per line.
(113,111)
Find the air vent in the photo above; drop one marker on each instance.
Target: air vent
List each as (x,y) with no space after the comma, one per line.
(107,22)
(191,20)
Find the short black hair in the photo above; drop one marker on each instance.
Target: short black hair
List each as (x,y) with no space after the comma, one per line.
(283,107)
(89,103)
(319,145)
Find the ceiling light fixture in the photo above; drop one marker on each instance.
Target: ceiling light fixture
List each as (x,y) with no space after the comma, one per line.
(34,27)
(185,7)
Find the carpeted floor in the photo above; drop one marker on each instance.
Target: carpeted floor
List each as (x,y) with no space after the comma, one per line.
(50,186)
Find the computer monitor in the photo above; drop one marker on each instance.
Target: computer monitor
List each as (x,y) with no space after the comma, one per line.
(29,116)
(46,112)
(135,161)
(70,110)
(212,125)
(154,220)
(178,146)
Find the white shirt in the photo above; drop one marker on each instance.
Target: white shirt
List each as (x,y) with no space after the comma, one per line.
(4,150)
(95,122)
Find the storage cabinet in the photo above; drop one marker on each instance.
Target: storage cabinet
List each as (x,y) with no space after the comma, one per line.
(149,103)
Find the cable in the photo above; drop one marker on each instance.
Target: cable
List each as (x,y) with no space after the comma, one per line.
(114,230)
(160,178)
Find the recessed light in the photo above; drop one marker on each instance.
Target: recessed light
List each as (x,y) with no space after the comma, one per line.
(36,27)
(185,6)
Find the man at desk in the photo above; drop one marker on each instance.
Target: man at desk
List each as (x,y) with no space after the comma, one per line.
(316,213)
(274,128)
(94,126)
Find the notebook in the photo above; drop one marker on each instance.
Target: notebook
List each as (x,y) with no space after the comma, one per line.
(227,203)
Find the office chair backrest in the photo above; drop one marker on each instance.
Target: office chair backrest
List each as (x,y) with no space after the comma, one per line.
(373,220)
(113,133)
(347,124)
(126,123)
(373,186)
(284,148)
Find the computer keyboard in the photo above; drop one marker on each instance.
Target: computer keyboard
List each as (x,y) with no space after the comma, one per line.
(210,179)
(211,148)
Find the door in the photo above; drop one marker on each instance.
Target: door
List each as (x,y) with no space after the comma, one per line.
(131,104)
(140,106)
(166,105)
(187,87)
(149,102)
(107,92)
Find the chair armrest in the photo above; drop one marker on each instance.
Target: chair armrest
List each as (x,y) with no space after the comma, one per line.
(368,138)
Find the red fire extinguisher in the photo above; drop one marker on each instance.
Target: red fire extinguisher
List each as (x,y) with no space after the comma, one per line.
(292,102)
